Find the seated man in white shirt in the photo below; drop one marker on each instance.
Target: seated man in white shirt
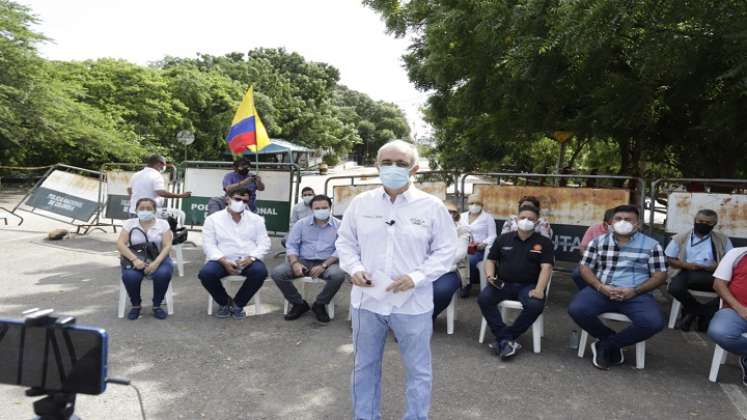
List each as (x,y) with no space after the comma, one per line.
(235,241)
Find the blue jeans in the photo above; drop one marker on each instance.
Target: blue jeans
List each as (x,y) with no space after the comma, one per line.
(213,271)
(491,296)
(413,334)
(132,279)
(443,289)
(726,330)
(576,276)
(474,273)
(642,310)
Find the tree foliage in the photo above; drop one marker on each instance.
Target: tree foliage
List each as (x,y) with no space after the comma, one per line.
(661,83)
(106,110)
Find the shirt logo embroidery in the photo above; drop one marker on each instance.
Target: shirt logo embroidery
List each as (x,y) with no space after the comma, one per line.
(417,221)
(372,216)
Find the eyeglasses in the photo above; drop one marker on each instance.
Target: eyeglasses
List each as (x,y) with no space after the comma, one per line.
(240,199)
(399,163)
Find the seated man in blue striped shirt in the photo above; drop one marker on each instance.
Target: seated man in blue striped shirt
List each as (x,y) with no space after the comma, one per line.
(311,252)
(621,268)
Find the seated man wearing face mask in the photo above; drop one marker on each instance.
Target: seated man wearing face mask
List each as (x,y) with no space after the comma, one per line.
(693,256)
(622,268)
(302,208)
(525,260)
(235,241)
(242,178)
(311,252)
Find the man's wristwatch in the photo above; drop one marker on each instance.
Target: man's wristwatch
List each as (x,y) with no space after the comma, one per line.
(324,266)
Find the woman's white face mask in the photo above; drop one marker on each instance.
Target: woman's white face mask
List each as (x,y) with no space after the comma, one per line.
(475,208)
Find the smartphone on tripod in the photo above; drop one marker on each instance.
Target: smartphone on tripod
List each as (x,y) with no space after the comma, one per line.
(67,359)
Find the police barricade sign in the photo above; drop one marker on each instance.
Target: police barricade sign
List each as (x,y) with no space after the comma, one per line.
(344,194)
(117,199)
(205,183)
(66,194)
(731,209)
(569,210)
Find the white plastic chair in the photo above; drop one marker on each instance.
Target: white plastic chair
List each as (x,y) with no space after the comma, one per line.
(312,280)
(257,298)
(178,249)
(123,300)
(538,326)
(674,313)
(640,347)
(719,356)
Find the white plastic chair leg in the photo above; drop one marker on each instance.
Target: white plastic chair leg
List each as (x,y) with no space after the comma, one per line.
(210,304)
(331,309)
(674,313)
(179,251)
(258,310)
(582,343)
(285,306)
(719,358)
(537,334)
(122,300)
(450,315)
(350,313)
(640,354)
(483,328)
(170,299)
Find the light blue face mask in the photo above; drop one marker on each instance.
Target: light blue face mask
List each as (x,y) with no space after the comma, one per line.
(321,214)
(394,177)
(146,215)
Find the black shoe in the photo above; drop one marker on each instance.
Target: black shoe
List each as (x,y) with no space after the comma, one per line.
(464,292)
(510,349)
(599,355)
(685,322)
(743,366)
(296,311)
(616,357)
(498,346)
(320,311)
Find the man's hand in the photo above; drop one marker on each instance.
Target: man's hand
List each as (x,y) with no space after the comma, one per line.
(607,291)
(742,311)
(626,293)
(297,268)
(316,271)
(230,266)
(537,293)
(480,247)
(245,262)
(138,264)
(185,194)
(361,279)
(491,280)
(401,284)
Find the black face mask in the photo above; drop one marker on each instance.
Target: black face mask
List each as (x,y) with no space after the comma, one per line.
(244,171)
(702,228)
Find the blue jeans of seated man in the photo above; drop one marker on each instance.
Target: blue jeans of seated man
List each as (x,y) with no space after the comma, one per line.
(133,278)
(726,330)
(413,334)
(491,296)
(642,310)
(213,271)
(443,290)
(474,273)
(576,276)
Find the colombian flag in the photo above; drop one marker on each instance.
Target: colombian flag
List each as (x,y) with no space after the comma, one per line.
(247,130)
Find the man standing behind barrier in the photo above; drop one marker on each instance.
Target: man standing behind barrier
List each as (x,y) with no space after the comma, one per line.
(311,252)
(398,236)
(242,178)
(302,208)
(234,241)
(621,268)
(148,183)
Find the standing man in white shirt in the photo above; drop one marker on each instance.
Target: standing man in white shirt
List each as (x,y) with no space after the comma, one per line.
(148,183)
(403,237)
(235,241)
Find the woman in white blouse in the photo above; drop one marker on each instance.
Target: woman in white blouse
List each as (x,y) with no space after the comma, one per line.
(482,227)
(160,269)
(445,286)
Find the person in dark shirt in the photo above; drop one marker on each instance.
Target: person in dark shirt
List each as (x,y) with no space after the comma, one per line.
(242,178)
(525,260)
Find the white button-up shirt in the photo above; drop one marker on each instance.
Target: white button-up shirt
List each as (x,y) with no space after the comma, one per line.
(223,237)
(414,235)
(483,228)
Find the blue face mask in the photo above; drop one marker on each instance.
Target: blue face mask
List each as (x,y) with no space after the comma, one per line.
(146,215)
(321,214)
(394,177)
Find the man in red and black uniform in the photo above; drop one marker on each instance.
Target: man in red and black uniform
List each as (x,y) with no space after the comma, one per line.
(730,322)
